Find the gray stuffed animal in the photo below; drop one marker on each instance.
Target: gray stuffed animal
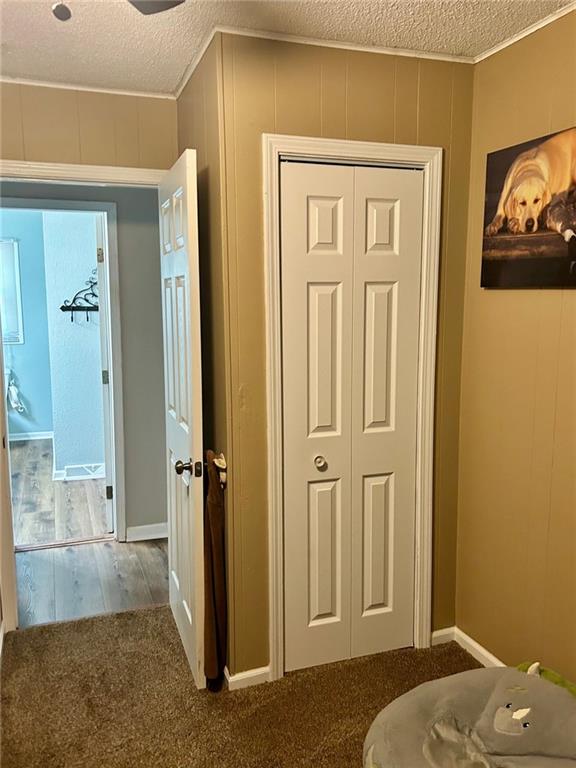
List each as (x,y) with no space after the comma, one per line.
(486,718)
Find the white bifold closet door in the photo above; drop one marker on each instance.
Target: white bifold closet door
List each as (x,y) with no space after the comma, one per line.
(351,259)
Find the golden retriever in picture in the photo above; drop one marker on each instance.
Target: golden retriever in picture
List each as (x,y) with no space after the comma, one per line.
(534,177)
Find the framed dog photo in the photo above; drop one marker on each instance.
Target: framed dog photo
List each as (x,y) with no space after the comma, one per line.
(530,214)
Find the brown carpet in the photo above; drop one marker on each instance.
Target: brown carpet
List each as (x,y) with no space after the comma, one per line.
(116,692)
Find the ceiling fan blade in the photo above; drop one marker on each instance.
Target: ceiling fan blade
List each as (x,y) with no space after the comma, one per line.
(154,6)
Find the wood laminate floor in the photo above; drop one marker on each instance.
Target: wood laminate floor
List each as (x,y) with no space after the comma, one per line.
(46,510)
(74,582)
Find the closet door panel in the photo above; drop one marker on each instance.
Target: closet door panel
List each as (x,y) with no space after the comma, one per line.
(317,268)
(385,322)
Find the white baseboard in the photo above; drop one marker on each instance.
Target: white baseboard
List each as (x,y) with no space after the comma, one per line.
(16,437)
(446,635)
(145,532)
(80,472)
(248,678)
(476,650)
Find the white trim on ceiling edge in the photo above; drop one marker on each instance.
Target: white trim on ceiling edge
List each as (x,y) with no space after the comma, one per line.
(147,532)
(286,38)
(474,648)
(406,52)
(303,41)
(526,32)
(85,88)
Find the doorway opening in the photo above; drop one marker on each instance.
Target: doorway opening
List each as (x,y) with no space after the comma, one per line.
(56,347)
(62,358)
(158,289)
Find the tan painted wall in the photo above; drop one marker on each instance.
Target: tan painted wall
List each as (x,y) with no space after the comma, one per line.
(299,89)
(58,125)
(200,127)
(517,505)
(513,475)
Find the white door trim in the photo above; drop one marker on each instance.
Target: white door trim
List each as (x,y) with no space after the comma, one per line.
(429,160)
(26,170)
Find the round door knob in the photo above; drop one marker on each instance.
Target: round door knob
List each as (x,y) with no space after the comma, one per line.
(320,463)
(180,466)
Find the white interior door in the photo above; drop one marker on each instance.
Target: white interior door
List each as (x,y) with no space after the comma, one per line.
(183,403)
(351,256)
(317,248)
(386,319)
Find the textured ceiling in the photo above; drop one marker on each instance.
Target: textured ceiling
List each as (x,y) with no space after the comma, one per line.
(108,44)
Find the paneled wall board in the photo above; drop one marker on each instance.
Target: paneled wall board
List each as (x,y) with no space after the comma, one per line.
(516,579)
(60,125)
(343,94)
(11,138)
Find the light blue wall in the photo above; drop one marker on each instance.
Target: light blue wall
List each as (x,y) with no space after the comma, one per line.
(30,362)
(75,360)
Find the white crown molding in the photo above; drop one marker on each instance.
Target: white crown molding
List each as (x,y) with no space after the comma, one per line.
(406,52)
(85,89)
(414,54)
(190,69)
(526,32)
(455,634)
(303,40)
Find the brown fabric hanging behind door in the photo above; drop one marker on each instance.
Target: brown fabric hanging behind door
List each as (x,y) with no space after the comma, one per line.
(216,607)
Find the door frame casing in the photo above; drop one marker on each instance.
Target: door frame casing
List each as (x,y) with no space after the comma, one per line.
(429,161)
(51,173)
(69,173)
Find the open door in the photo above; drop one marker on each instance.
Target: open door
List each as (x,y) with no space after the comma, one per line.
(183,404)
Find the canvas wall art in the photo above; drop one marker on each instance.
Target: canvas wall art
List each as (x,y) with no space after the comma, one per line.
(530,214)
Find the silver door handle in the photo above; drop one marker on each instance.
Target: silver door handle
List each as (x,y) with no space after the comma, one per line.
(181,466)
(320,463)
(194,468)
